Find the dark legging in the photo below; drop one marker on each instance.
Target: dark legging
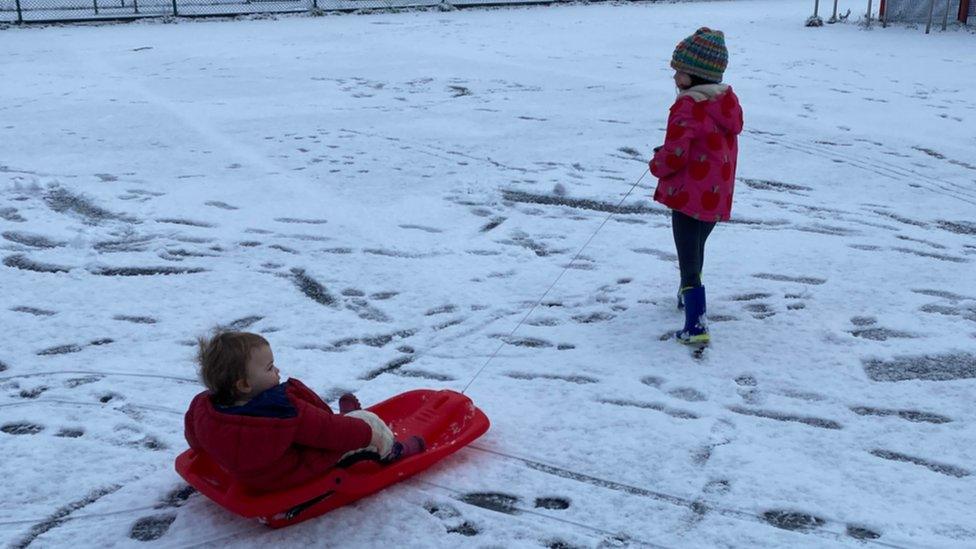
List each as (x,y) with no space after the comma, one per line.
(689,240)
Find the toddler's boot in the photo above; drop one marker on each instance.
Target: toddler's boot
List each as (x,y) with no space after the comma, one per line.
(681,297)
(411,446)
(695,331)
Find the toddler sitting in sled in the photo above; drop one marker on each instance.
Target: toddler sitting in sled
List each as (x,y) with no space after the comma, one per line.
(271,435)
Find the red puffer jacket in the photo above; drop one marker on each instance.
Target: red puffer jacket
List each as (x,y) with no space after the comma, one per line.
(275,453)
(696,165)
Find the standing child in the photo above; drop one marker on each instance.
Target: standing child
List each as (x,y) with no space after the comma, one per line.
(270,435)
(696,165)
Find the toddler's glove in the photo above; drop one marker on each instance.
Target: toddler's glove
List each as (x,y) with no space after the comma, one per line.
(650,163)
(382,440)
(347,403)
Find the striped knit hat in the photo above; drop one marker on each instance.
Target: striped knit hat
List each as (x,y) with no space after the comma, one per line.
(702,54)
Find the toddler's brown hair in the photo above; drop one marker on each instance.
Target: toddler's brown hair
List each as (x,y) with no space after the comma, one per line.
(223,362)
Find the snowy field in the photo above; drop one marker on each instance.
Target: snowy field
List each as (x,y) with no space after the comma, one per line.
(385,196)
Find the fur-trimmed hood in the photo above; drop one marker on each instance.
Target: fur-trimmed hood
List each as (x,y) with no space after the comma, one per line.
(704,92)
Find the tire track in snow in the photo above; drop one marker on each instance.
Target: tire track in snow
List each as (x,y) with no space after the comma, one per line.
(937,185)
(696,505)
(511,510)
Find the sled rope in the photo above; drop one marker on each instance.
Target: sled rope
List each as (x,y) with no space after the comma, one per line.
(551,286)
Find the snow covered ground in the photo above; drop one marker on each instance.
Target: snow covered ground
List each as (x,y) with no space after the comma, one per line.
(380,196)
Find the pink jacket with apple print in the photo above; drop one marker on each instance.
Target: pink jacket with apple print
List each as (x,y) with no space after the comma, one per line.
(696,165)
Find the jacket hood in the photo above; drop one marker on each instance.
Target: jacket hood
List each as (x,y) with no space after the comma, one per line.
(719,103)
(231,436)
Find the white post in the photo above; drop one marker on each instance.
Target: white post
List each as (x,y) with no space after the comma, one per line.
(869,13)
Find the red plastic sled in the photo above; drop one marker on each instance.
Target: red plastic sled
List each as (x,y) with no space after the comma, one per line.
(447,420)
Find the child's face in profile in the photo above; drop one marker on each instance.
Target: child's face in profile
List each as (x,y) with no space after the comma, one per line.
(682,80)
(262,374)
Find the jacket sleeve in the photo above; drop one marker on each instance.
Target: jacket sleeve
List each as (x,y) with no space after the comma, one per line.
(320,428)
(682,129)
(732,112)
(297,389)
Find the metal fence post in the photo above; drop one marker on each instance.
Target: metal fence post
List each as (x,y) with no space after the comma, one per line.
(814,20)
(175,13)
(869,13)
(135,6)
(95,3)
(20,15)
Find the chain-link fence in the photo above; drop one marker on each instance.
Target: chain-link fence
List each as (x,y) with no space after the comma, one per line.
(28,11)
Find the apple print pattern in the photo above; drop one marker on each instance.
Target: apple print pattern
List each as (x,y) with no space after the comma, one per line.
(696,165)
